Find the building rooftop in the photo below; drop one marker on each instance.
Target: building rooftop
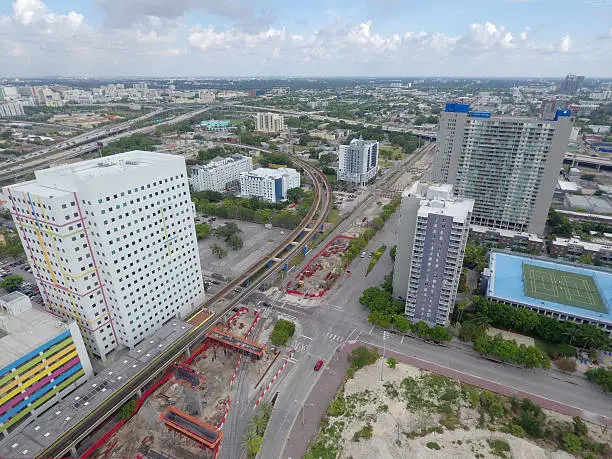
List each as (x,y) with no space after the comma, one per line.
(586,244)
(593,204)
(506,283)
(219,162)
(438,199)
(25,332)
(56,181)
(32,439)
(266,172)
(506,233)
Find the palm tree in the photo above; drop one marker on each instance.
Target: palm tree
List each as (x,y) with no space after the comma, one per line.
(483,322)
(251,441)
(572,332)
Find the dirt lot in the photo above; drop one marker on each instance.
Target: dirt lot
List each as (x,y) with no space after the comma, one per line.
(415,414)
(258,240)
(145,432)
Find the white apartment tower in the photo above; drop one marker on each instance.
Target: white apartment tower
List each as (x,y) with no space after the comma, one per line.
(433,232)
(358,161)
(509,166)
(112,244)
(270,185)
(269,122)
(218,174)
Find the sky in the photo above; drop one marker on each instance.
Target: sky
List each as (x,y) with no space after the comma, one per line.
(351,38)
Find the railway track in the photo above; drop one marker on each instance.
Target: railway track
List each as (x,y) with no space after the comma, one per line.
(260,271)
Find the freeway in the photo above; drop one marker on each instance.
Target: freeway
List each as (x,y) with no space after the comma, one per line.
(89,142)
(257,273)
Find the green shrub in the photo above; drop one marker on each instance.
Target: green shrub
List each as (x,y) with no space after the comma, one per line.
(566,364)
(283,330)
(127,410)
(517,430)
(365,432)
(580,428)
(362,356)
(572,443)
(499,447)
(433,445)
(392,362)
(336,407)
(601,376)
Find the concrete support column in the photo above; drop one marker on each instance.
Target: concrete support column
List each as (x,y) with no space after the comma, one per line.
(73,451)
(139,392)
(187,353)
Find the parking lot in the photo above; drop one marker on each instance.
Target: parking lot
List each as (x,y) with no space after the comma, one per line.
(258,240)
(28,287)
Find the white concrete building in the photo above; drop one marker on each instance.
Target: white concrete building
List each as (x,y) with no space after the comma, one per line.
(270,185)
(269,122)
(11,109)
(433,232)
(358,161)
(218,174)
(509,166)
(112,244)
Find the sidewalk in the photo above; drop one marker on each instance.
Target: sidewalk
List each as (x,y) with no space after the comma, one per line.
(326,387)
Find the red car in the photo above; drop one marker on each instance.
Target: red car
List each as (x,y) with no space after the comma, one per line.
(318,365)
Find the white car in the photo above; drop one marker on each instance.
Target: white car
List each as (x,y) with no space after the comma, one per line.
(363,254)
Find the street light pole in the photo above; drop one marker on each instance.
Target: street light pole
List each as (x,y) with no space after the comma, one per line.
(382,363)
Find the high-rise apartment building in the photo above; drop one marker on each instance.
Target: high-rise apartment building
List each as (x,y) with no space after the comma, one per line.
(220,173)
(358,161)
(112,244)
(433,232)
(269,122)
(270,185)
(571,84)
(509,166)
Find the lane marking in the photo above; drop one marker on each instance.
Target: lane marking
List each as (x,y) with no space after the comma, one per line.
(371,330)
(307,337)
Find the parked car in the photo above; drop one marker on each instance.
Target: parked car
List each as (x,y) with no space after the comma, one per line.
(318,365)
(363,254)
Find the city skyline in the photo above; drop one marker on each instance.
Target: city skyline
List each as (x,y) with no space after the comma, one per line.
(376,38)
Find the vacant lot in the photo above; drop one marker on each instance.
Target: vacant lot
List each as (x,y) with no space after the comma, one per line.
(258,240)
(417,414)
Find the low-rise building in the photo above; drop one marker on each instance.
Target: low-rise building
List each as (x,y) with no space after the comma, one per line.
(216,125)
(574,248)
(506,238)
(270,185)
(43,358)
(220,173)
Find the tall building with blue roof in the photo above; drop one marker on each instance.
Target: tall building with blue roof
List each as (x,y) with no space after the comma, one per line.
(508,165)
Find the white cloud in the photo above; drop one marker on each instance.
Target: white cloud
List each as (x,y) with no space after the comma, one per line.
(162,42)
(565,44)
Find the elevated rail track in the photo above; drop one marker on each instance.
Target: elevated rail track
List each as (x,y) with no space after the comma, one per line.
(257,273)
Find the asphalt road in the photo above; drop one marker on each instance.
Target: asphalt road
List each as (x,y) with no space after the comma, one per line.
(341,318)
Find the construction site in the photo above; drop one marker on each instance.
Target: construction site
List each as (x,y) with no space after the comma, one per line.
(185,416)
(319,275)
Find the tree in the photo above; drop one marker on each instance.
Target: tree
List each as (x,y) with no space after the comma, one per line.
(11,283)
(439,334)
(228,230)
(235,242)
(295,194)
(482,321)
(572,443)
(580,428)
(219,251)
(401,323)
(202,231)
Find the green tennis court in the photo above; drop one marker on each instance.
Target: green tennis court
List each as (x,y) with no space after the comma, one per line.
(571,289)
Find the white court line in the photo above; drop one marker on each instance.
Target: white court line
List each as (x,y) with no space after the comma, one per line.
(307,337)
(371,330)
